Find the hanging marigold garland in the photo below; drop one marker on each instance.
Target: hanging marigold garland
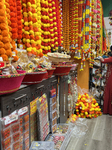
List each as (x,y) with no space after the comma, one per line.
(13,18)
(66,24)
(61,20)
(5,34)
(45,27)
(51,24)
(19,18)
(71,24)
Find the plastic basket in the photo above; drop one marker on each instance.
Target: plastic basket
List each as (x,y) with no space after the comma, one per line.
(11,83)
(34,77)
(50,72)
(56,59)
(62,70)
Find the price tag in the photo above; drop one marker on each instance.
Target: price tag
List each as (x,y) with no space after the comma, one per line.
(2,65)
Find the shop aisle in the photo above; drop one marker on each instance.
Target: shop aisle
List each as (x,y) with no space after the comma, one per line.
(98,136)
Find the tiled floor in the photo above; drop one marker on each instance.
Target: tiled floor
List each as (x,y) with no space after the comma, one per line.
(98,136)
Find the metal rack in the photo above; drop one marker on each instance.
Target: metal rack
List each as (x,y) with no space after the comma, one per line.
(26,94)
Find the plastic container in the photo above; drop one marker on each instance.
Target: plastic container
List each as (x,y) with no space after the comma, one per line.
(6,143)
(50,72)
(16,137)
(62,70)
(59,141)
(34,78)
(39,145)
(62,128)
(11,83)
(15,127)
(16,145)
(6,133)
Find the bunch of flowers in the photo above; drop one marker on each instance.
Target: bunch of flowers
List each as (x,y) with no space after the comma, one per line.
(87,107)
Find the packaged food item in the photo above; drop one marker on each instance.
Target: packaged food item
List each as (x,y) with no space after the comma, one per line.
(21,129)
(21,146)
(6,143)
(26,143)
(58,140)
(42,117)
(15,127)
(21,121)
(16,136)
(26,126)
(6,133)
(26,118)
(53,110)
(16,145)
(21,138)
(26,134)
(54,128)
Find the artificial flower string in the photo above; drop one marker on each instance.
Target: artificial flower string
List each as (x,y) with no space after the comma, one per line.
(66,25)
(10,46)
(61,20)
(72,29)
(56,23)
(19,18)
(5,38)
(51,24)
(80,11)
(13,18)
(45,27)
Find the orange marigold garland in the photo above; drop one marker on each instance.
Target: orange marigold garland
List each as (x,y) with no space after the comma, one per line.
(19,18)
(12,42)
(56,24)
(66,25)
(3,30)
(61,20)
(13,18)
(72,24)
